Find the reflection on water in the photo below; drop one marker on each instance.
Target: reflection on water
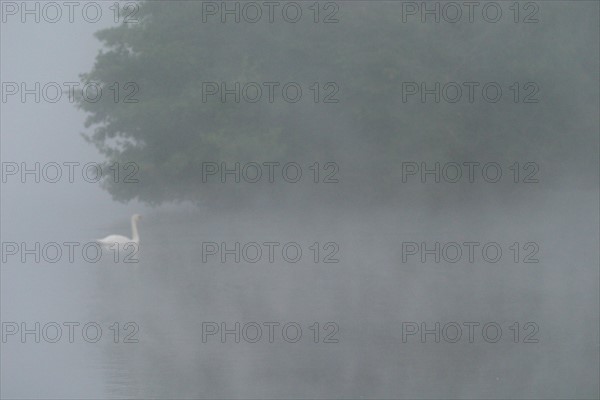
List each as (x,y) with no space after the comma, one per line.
(368,294)
(119,381)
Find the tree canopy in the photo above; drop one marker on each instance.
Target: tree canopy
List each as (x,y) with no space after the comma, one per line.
(169,61)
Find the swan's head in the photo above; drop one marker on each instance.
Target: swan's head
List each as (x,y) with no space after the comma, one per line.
(136,217)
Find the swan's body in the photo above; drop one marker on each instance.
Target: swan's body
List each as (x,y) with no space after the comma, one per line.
(123,241)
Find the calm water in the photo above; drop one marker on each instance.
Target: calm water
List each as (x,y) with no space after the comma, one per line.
(368,294)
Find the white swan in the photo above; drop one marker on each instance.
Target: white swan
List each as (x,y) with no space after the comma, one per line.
(121,241)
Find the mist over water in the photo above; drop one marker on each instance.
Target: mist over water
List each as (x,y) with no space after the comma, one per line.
(352,299)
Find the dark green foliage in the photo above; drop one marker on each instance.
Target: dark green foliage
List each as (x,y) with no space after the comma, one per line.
(369,53)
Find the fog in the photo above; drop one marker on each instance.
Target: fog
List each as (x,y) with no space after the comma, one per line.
(375,273)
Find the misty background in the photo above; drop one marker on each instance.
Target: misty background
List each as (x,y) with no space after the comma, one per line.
(170,132)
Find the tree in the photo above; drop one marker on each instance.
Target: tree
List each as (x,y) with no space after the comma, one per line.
(171,56)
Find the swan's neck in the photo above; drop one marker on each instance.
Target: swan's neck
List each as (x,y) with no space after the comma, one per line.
(134,231)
